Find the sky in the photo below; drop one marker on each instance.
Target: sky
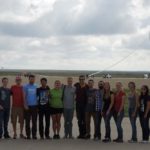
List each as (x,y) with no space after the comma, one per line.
(75,34)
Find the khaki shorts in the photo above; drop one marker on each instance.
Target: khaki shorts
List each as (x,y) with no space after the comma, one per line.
(17,112)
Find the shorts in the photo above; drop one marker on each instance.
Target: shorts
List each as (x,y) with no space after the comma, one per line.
(54,111)
(17,112)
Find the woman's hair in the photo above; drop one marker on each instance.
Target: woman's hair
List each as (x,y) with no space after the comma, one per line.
(132,83)
(147,90)
(105,89)
(120,83)
(57,81)
(108,84)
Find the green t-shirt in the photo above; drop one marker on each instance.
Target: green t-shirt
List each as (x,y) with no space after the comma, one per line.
(56,98)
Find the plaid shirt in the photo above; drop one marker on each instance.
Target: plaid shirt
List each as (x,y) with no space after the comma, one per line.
(99,100)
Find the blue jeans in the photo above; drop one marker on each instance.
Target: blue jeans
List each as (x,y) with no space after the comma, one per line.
(80,110)
(68,117)
(107,119)
(118,121)
(144,125)
(98,119)
(133,123)
(4,118)
(44,112)
(31,114)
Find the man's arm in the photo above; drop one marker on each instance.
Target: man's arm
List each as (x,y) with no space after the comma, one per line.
(147,108)
(24,98)
(1,107)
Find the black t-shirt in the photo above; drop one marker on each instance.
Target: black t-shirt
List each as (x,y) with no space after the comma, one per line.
(91,100)
(143,102)
(106,102)
(43,96)
(81,94)
(5,94)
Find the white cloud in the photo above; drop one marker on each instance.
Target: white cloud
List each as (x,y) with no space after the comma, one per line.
(139,41)
(24,11)
(69,17)
(74,34)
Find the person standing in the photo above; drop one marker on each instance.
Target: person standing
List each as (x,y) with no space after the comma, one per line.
(56,105)
(43,97)
(90,107)
(144,112)
(108,101)
(68,103)
(17,110)
(133,100)
(98,116)
(118,112)
(81,88)
(30,98)
(5,94)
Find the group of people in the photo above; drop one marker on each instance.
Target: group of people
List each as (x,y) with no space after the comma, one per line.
(31,101)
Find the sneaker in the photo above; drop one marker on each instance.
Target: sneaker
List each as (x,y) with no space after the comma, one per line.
(34,138)
(58,136)
(118,140)
(48,137)
(7,137)
(22,136)
(97,138)
(71,137)
(65,137)
(115,140)
(15,136)
(87,136)
(55,136)
(28,138)
(80,137)
(132,141)
(144,142)
(106,140)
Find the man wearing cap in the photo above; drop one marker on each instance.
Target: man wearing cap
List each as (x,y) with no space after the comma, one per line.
(17,111)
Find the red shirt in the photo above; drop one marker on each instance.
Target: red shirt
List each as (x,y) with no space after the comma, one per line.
(17,96)
(118,100)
